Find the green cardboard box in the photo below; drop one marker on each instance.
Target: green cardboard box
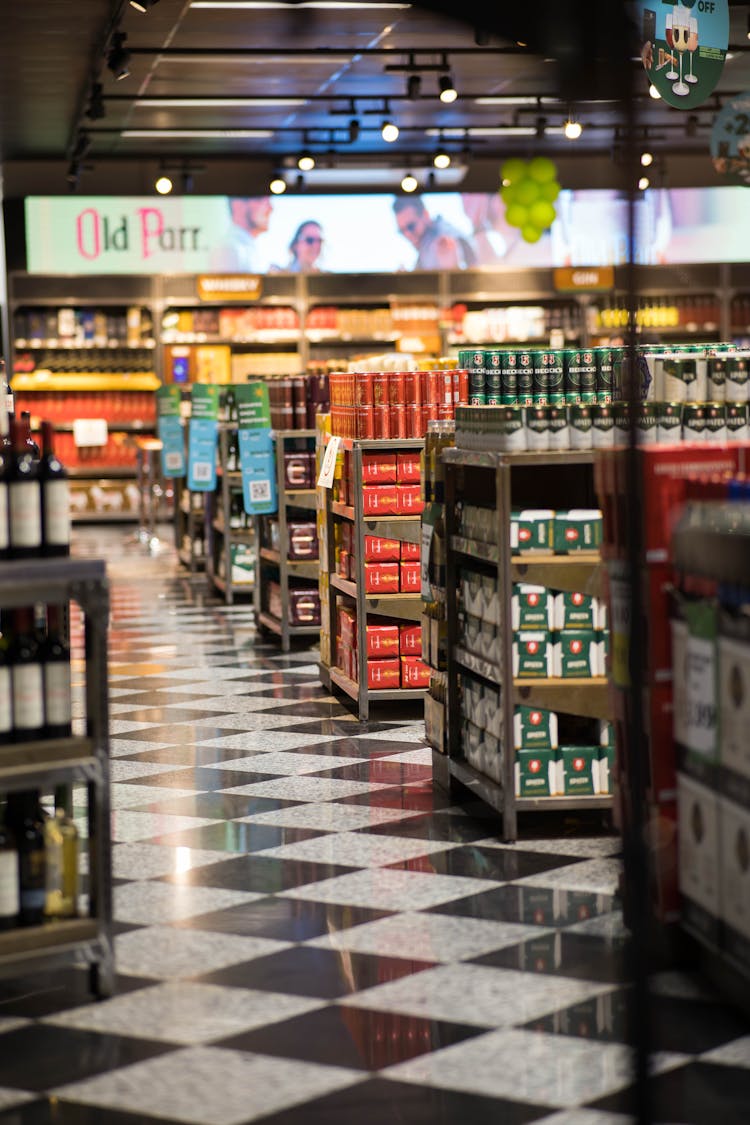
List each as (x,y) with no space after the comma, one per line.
(579,529)
(575,653)
(534,729)
(531,607)
(243,563)
(605,767)
(578,769)
(532,655)
(574,611)
(536,773)
(531,531)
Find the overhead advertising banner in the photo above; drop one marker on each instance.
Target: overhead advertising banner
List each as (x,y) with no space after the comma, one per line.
(684,47)
(730,140)
(373,234)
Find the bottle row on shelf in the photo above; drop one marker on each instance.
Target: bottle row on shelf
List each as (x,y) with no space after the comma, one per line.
(61,361)
(34,493)
(35,677)
(39,859)
(91,327)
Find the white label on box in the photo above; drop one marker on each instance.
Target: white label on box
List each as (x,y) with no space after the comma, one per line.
(735,866)
(90,431)
(698,833)
(328,466)
(701,696)
(734,703)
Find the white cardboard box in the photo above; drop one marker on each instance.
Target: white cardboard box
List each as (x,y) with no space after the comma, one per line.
(698,828)
(734,705)
(735,867)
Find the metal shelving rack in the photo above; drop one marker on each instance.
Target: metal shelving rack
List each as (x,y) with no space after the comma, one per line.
(82,759)
(187,518)
(297,499)
(406,606)
(536,477)
(220,536)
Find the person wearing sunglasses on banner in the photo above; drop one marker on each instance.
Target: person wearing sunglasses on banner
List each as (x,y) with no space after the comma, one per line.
(305,248)
(249,219)
(439,245)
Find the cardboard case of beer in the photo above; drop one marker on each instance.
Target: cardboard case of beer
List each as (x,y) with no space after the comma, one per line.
(531,531)
(735,880)
(532,655)
(531,608)
(574,611)
(576,653)
(578,767)
(536,773)
(534,729)
(579,529)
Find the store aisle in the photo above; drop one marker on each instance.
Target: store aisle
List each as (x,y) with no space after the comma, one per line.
(306,935)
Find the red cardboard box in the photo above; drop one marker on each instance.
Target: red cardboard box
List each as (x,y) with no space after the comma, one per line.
(379,468)
(414,674)
(342,568)
(407,468)
(347,625)
(378,549)
(383,674)
(410,577)
(380,500)
(383,641)
(409,501)
(410,552)
(382,578)
(410,640)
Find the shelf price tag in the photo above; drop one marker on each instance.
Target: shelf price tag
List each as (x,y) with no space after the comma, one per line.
(202,437)
(169,429)
(328,466)
(89,432)
(257,459)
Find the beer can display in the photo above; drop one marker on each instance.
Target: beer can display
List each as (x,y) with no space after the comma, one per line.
(366,423)
(736,414)
(679,376)
(716,421)
(738,365)
(413,386)
(618,372)
(540,378)
(693,421)
(537,426)
(510,426)
(572,374)
(604,374)
(668,422)
(493,378)
(556,378)
(588,376)
(461,388)
(380,388)
(525,378)
(602,425)
(621,418)
(363,388)
(580,425)
(646,422)
(398,420)
(396,387)
(382,421)
(716,372)
(559,433)
(509,378)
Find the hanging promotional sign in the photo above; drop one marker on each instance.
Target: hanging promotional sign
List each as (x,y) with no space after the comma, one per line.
(257,459)
(730,140)
(202,437)
(169,429)
(683,48)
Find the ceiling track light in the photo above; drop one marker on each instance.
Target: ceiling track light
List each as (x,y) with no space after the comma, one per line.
(163,185)
(448,92)
(572,128)
(277,186)
(306,162)
(143,5)
(643,183)
(118,59)
(647,158)
(441,159)
(389,131)
(95,109)
(353,131)
(409,183)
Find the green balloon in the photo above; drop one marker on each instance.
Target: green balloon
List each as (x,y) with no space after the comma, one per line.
(513,170)
(527,192)
(530,233)
(549,190)
(542,214)
(516,215)
(542,169)
(508,194)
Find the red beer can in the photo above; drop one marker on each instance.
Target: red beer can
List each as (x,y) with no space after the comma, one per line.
(413,386)
(382,426)
(380,388)
(366,422)
(363,388)
(446,391)
(445,411)
(398,420)
(463,389)
(434,382)
(396,387)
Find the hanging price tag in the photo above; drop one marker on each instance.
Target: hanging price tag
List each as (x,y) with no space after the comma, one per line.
(202,436)
(328,467)
(171,434)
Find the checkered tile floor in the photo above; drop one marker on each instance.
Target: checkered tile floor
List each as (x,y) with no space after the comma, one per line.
(308,935)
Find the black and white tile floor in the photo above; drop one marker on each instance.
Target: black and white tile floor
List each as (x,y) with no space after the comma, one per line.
(308,935)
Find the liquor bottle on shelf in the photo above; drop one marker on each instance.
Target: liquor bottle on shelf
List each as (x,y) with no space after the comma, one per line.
(55,492)
(54,656)
(9,875)
(26,820)
(27,677)
(6,687)
(61,860)
(31,445)
(24,496)
(6,394)
(5,461)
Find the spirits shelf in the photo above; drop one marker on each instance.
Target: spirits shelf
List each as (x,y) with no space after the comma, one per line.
(304,568)
(586,697)
(22,762)
(487,459)
(582,573)
(276,626)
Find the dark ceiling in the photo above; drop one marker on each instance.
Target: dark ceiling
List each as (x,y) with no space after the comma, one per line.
(330,66)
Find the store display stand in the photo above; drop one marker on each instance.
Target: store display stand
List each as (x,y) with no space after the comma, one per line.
(30,765)
(277,560)
(406,606)
(533,477)
(222,537)
(189,519)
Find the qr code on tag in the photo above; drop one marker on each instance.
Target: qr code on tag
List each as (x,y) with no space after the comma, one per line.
(260,490)
(202,470)
(173,460)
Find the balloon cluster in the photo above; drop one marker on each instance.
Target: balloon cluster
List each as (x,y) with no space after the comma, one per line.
(529,191)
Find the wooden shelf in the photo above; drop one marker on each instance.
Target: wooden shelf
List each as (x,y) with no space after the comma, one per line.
(306,498)
(580,573)
(275,625)
(492,793)
(475,549)
(85,381)
(304,567)
(489,459)
(587,697)
(351,687)
(347,512)
(30,941)
(344,586)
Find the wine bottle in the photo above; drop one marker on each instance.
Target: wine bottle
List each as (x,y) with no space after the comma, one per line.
(61,848)
(9,877)
(26,819)
(54,656)
(31,445)
(5,460)
(6,687)
(24,497)
(27,677)
(53,478)
(7,405)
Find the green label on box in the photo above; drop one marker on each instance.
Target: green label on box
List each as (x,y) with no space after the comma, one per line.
(576,653)
(530,531)
(534,729)
(578,768)
(574,611)
(577,531)
(531,607)
(535,773)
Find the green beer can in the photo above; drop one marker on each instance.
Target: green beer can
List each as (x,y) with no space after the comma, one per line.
(493,377)
(604,374)
(509,378)
(556,371)
(588,376)
(668,422)
(525,378)
(694,421)
(540,378)
(572,375)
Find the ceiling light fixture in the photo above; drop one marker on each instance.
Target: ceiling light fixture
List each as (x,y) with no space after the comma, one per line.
(389,131)
(653,92)
(277,186)
(647,158)
(643,183)
(95,109)
(409,183)
(413,86)
(335,5)
(306,162)
(441,159)
(448,92)
(118,59)
(163,185)
(572,128)
(143,5)
(196,134)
